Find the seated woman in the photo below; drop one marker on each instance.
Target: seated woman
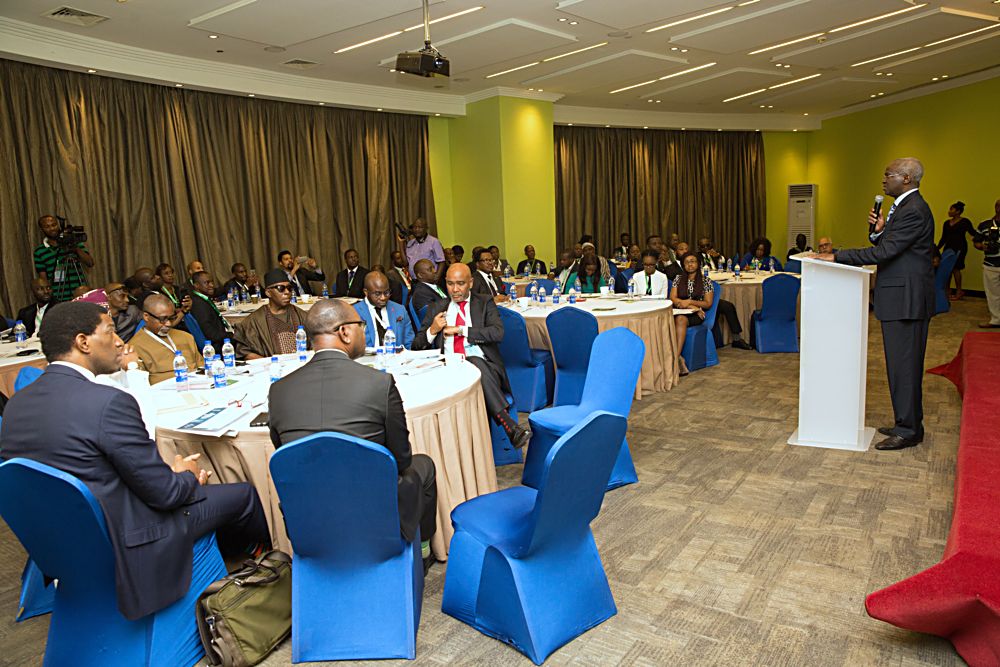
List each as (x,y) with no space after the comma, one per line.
(635,258)
(691,289)
(760,250)
(589,275)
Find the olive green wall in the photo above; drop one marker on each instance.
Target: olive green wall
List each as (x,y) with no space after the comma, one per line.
(785,162)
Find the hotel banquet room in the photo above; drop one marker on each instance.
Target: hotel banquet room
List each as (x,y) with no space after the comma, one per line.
(654,450)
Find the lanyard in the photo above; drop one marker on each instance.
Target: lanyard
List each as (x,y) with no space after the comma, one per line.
(209,301)
(383,319)
(162,340)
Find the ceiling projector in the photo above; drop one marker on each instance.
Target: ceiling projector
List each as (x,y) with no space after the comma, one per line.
(425,62)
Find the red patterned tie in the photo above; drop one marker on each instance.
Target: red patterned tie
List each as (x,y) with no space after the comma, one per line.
(460,322)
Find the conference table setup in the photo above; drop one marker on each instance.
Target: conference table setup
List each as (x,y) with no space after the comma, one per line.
(11,362)
(242,310)
(445,415)
(746,295)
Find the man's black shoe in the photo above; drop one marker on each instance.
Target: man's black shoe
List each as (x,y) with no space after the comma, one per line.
(520,436)
(741,344)
(895,442)
(885,430)
(428,562)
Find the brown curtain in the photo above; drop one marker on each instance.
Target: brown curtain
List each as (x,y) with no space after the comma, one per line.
(164,174)
(610,181)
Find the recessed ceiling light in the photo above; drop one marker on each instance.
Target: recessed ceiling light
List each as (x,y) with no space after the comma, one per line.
(512,69)
(635,85)
(689,19)
(891,55)
(91,71)
(777,64)
(805,114)
(944,76)
(392,70)
(877,18)
(748,2)
(720,129)
(673,48)
(213,37)
(178,85)
(531,89)
(650,101)
(873,94)
(752,92)
(607,126)
(788,83)
(574,22)
(570,124)
(786,66)
(888,73)
(379,109)
(763,106)
(436,115)
(683,128)
(322,104)
(645,127)
(881,94)
(964,34)
(794,130)
(400,32)
(251,95)
(878,73)
(684,50)
(564,19)
(934,79)
(541,90)
(686,71)
(770,106)
(788,43)
(658,101)
(570,53)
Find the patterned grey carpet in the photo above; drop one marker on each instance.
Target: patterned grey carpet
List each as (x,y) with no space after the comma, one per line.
(734,548)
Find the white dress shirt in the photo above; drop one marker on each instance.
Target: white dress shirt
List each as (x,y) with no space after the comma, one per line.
(449,341)
(384,320)
(892,209)
(658,281)
(489,281)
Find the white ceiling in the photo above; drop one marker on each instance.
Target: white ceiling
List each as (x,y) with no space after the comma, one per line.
(827,64)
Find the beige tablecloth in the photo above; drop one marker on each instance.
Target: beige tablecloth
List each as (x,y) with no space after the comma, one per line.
(11,365)
(449,425)
(652,321)
(747,295)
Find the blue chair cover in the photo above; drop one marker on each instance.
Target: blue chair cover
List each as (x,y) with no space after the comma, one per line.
(942,276)
(571,333)
(356,583)
(405,294)
(615,363)
(26,376)
(195,330)
(623,279)
(699,343)
(793,266)
(141,324)
(549,285)
(613,268)
(531,373)
(62,526)
(37,597)
(523,565)
(774,323)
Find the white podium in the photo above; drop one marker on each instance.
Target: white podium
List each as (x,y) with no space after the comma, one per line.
(833,358)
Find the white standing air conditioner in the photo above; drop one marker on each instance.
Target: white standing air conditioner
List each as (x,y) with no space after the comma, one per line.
(802,213)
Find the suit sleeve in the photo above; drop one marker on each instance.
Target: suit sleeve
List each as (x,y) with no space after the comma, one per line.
(420,340)
(906,230)
(492,329)
(407,323)
(397,436)
(127,445)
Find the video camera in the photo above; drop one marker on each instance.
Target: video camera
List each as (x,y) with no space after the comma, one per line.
(990,238)
(70,236)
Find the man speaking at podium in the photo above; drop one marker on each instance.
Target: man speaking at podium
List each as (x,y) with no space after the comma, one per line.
(903,242)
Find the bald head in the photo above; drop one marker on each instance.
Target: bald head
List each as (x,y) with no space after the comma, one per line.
(425,270)
(910,166)
(377,288)
(459,282)
(825,244)
(328,328)
(148,278)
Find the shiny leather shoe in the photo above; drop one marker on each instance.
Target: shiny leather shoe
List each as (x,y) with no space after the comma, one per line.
(894,442)
(885,430)
(521,436)
(741,345)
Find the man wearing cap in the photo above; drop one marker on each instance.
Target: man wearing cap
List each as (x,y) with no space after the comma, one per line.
(270,329)
(125,315)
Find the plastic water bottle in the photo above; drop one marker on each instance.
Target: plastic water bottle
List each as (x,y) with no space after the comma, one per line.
(326,292)
(736,270)
(228,356)
(771,267)
(230,299)
(631,291)
(180,372)
(533,292)
(208,353)
(257,288)
(295,299)
(555,295)
(729,265)
(380,358)
(579,288)
(541,295)
(300,342)
(389,342)
(218,372)
(706,272)
(275,370)
(506,272)
(20,335)
(552,267)
(572,295)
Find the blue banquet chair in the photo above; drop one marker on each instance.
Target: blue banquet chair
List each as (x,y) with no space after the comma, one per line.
(195,330)
(571,334)
(699,343)
(356,583)
(793,266)
(614,369)
(62,526)
(530,371)
(774,324)
(26,376)
(523,565)
(549,285)
(942,276)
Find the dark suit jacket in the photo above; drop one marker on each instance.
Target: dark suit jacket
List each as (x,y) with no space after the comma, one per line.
(485,330)
(671,269)
(357,285)
(539,266)
(904,284)
(99,437)
(480,286)
(211,322)
(27,315)
(421,296)
(396,286)
(333,393)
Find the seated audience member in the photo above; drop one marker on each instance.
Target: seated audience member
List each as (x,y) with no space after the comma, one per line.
(800,246)
(500,265)
(449,257)
(690,290)
(458,252)
(167,288)
(650,282)
(475,253)
(313,399)
(395,289)
(727,311)
(590,250)
(589,276)
(672,269)
(32,314)
(710,257)
(635,257)
(469,324)
(215,327)
(530,264)
(425,290)
(623,247)
(422,246)
(825,245)
(577,251)
(351,280)
(241,281)
(299,274)
(399,274)
(760,250)
(270,329)
(193,267)
(153,284)
(568,266)
(655,243)
(100,439)
(380,314)
(133,288)
(483,280)
(125,315)
(156,342)
(672,254)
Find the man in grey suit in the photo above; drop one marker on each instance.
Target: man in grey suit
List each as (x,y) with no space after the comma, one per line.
(358,401)
(904,294)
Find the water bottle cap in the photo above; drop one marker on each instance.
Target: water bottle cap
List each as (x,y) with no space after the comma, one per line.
(177,353)
(18,322)
(225,340)
(301,328)
(274,359)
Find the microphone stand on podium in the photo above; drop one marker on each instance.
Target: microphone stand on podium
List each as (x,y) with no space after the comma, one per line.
(833,358)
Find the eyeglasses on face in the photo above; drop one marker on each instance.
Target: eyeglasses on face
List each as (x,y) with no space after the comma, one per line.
(364,325)
(281,288)
(161,320)
(386,293)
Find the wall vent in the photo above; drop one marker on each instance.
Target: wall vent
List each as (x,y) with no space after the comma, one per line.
(75,16)
(298,63)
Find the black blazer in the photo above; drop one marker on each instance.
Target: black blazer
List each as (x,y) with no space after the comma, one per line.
(334,393)
(421,296)
(357,285)
(485,330)
(211,322)
(538,266)
(904,284)
(480,286)
(671,269)
(100,438)
(27,316)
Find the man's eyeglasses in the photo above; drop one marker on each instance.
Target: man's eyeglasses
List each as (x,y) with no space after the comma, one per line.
(161,320)
(364,325)
(387,293)
(281,288)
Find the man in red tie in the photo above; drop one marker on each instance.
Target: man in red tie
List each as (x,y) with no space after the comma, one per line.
(469,324)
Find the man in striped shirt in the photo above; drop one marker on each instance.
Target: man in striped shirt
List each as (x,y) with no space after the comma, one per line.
(58,264)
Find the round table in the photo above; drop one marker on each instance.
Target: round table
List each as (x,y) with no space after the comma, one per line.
(11,364)
(746,295)
(241,310)
(650,319)
(445,414)
(522,285)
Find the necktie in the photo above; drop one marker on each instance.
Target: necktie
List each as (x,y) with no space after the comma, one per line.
(649,285)
(460,322)
(889,214)
(39,313)
(350,278)
(379,326)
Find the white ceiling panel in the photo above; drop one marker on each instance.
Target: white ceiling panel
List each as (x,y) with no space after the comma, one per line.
(629,13)
(608,73)
(829,94)
(715,88)
(953,60)
(919,30)
(774,24)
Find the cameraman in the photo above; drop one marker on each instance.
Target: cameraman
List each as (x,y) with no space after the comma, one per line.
(59,256)
(988,240)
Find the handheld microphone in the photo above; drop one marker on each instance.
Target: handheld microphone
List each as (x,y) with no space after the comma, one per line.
(875,209)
